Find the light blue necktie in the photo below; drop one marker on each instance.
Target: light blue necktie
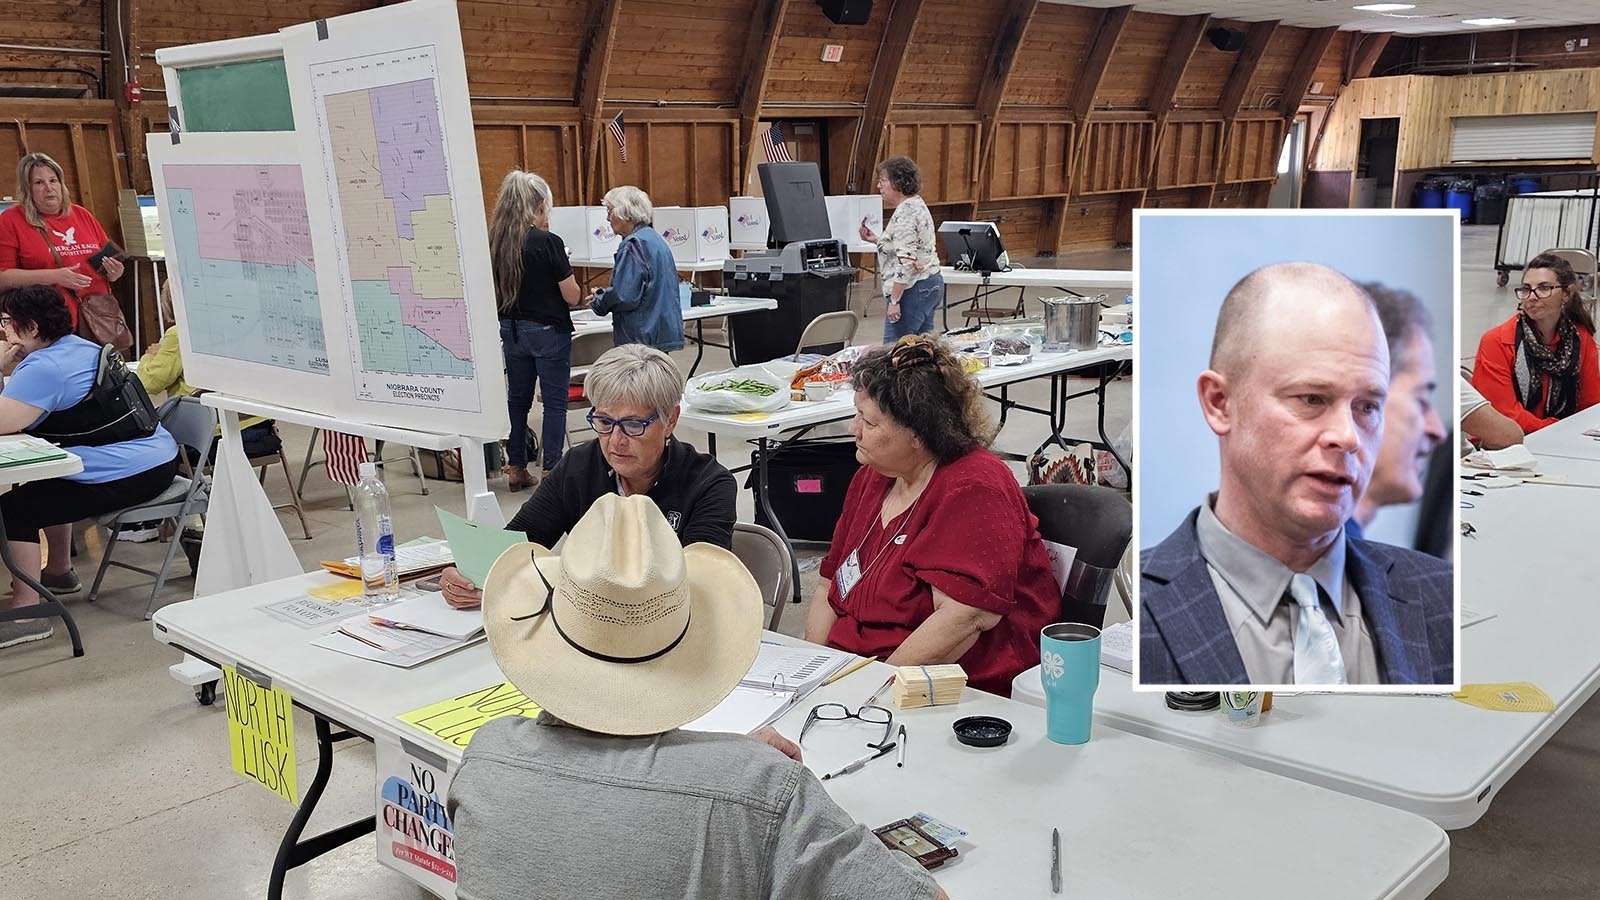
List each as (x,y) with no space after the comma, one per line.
(1316,648)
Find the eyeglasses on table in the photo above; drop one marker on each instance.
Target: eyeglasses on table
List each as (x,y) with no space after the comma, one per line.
(838,712)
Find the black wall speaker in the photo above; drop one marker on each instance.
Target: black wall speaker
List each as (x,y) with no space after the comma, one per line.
(846,12)
(1228,39)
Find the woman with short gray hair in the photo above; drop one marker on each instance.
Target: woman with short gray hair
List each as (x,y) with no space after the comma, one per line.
(644,276)
(635,391)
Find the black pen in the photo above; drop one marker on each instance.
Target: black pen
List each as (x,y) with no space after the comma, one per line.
(886,748)
(1055,860)
(900,763)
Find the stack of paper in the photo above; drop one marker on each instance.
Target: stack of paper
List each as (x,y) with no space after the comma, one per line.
(1116,646)
(410,558)
(916,686)
(797,669)
(430,613)
(22,450)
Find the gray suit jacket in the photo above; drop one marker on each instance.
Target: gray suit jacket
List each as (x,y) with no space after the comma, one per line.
(1184,636)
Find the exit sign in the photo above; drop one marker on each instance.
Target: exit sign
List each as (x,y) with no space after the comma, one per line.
(832,52)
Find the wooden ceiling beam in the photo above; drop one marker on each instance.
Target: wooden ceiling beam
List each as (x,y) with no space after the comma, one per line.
(600,29)
(881,89)
(1305,69)
(1098,60)
(1363,53)
(1185,40)
(997,75)
(760,45)
(1244,68)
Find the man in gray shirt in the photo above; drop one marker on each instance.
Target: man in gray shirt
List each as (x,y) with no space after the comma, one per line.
(604,795)
(1260,586)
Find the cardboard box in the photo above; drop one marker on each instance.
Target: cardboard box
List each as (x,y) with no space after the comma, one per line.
(694,233)
(585,230)
(748,228)
(845,215)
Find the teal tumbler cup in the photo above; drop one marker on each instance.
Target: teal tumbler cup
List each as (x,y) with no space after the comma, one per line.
(1069,667)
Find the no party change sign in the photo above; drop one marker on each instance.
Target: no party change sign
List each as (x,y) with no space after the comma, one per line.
(261,731)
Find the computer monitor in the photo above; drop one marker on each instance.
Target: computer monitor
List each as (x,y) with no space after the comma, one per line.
(794,202)
(974,246)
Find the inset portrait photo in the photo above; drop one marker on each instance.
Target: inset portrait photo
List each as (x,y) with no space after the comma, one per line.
(1294,398)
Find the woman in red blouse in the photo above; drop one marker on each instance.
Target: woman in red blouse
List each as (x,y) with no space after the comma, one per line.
(936,558)
(48,239)
(1541,364)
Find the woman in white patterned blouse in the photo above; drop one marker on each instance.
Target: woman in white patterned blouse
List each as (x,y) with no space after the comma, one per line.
(908,262)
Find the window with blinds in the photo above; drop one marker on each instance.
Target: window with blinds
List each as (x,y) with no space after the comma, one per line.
(1532,136)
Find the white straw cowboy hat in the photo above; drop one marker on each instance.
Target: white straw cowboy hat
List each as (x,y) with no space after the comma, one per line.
(626,632)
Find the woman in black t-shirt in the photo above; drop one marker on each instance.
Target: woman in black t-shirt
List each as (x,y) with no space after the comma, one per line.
(536,290)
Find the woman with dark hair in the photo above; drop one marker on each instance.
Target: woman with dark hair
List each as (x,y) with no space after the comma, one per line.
(537,290)
(48,239)
(1541,364)
(936,557)
(46,395)
(908,260)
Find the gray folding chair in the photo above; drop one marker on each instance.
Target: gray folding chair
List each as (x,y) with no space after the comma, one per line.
(414,458)
(1585,267)
(767,558)
(1099,523)
(586,348)
(827,330)
(194,426)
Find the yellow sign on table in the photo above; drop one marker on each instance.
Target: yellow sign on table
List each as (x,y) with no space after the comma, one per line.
(1507,696)
(343,589)
(261,732)
(454,721)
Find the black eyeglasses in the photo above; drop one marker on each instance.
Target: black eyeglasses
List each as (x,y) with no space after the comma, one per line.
(630,426)
(1541,291)
(838,712)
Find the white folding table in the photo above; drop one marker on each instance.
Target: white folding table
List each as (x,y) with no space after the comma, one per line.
(49,606)
(1138,818)
(1566,438)
(1072,280)
(585,321)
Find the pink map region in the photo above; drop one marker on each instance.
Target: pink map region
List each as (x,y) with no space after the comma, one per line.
(440,320)
(263,224)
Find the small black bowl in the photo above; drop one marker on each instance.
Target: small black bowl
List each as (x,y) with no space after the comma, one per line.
(982,731)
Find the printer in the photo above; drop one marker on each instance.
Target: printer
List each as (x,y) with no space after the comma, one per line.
(807,278)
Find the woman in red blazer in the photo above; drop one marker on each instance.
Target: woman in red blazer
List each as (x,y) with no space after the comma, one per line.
(1541,364)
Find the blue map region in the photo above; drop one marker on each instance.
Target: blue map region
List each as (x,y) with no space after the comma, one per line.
(390,345)
(261,312)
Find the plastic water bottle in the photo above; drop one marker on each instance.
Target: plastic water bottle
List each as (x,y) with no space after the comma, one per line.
(375,537)
(1126,336)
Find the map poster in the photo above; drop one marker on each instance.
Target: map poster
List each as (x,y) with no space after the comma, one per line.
(385,123)
(242,265)
(416,836)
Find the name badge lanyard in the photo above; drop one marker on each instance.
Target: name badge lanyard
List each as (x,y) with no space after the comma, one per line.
(853,561)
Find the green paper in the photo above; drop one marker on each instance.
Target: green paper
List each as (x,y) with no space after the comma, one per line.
(476,546)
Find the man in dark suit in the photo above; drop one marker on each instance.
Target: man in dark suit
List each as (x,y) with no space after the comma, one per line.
(1260,585)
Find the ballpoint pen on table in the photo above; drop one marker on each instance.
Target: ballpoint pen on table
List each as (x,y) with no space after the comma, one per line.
(874,698)
(886,748)
(901,740)
(1055,860)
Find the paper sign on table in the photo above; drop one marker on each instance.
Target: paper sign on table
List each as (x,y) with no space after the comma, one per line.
(261,731)
(476,546)
(454,721)
(1507,696)
(415,834)
(339,590)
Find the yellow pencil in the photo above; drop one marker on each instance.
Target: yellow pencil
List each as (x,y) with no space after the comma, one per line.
(862,661)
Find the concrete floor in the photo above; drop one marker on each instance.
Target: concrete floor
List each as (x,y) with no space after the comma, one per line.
(120,784)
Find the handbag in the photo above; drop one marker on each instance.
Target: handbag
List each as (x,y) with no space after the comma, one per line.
(100,319)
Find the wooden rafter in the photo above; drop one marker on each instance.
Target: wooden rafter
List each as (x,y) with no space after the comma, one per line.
(997,75)
(1244,68)
(593,63)
(760,43)
(1098,60)
(1180,51)
(886,71)
(1305,69)
(1362,55)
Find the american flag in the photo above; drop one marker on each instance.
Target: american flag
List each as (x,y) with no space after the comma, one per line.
(621,137)
(345,454)
(772,142)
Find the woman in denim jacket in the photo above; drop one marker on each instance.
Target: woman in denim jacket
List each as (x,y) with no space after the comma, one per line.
(644,279)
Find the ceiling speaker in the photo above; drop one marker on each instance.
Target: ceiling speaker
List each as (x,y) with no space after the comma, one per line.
(846,12)
(1230,40)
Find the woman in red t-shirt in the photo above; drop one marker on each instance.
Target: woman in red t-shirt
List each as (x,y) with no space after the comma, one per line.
(1541,364)
(48,239)
(936,557)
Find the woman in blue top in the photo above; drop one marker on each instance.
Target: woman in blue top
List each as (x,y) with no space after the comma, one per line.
(644,279)
(54,370)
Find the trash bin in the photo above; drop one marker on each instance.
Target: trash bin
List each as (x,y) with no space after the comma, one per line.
(807,482)
(1526,184)
(1430,193)
(1459,198)
(1490,203)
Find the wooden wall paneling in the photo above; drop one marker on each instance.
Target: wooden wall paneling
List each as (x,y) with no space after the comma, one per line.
(71,31)
(1370,98)
(534,139)
(1051,56)
(600,32)
(1031,159)
(1207,72)
(1251,150)
(1091,222)
(1115,156)
(1008,37)
(171,23)
(1267,82)
(1188,154)
(1185,40)
(761,43)
(1098,60)
(1305,69)
(526,51)
(949,50)
(799,76)
(678,50)
(1330,67)
(1145,41)
(881,91)
(1019,223)
(947,154)
(1256,38)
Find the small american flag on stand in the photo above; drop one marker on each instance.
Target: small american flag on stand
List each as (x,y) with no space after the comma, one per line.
(621,137)
(773,144)
(345,454)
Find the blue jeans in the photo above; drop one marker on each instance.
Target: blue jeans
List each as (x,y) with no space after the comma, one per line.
(918,303)
(534,350)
